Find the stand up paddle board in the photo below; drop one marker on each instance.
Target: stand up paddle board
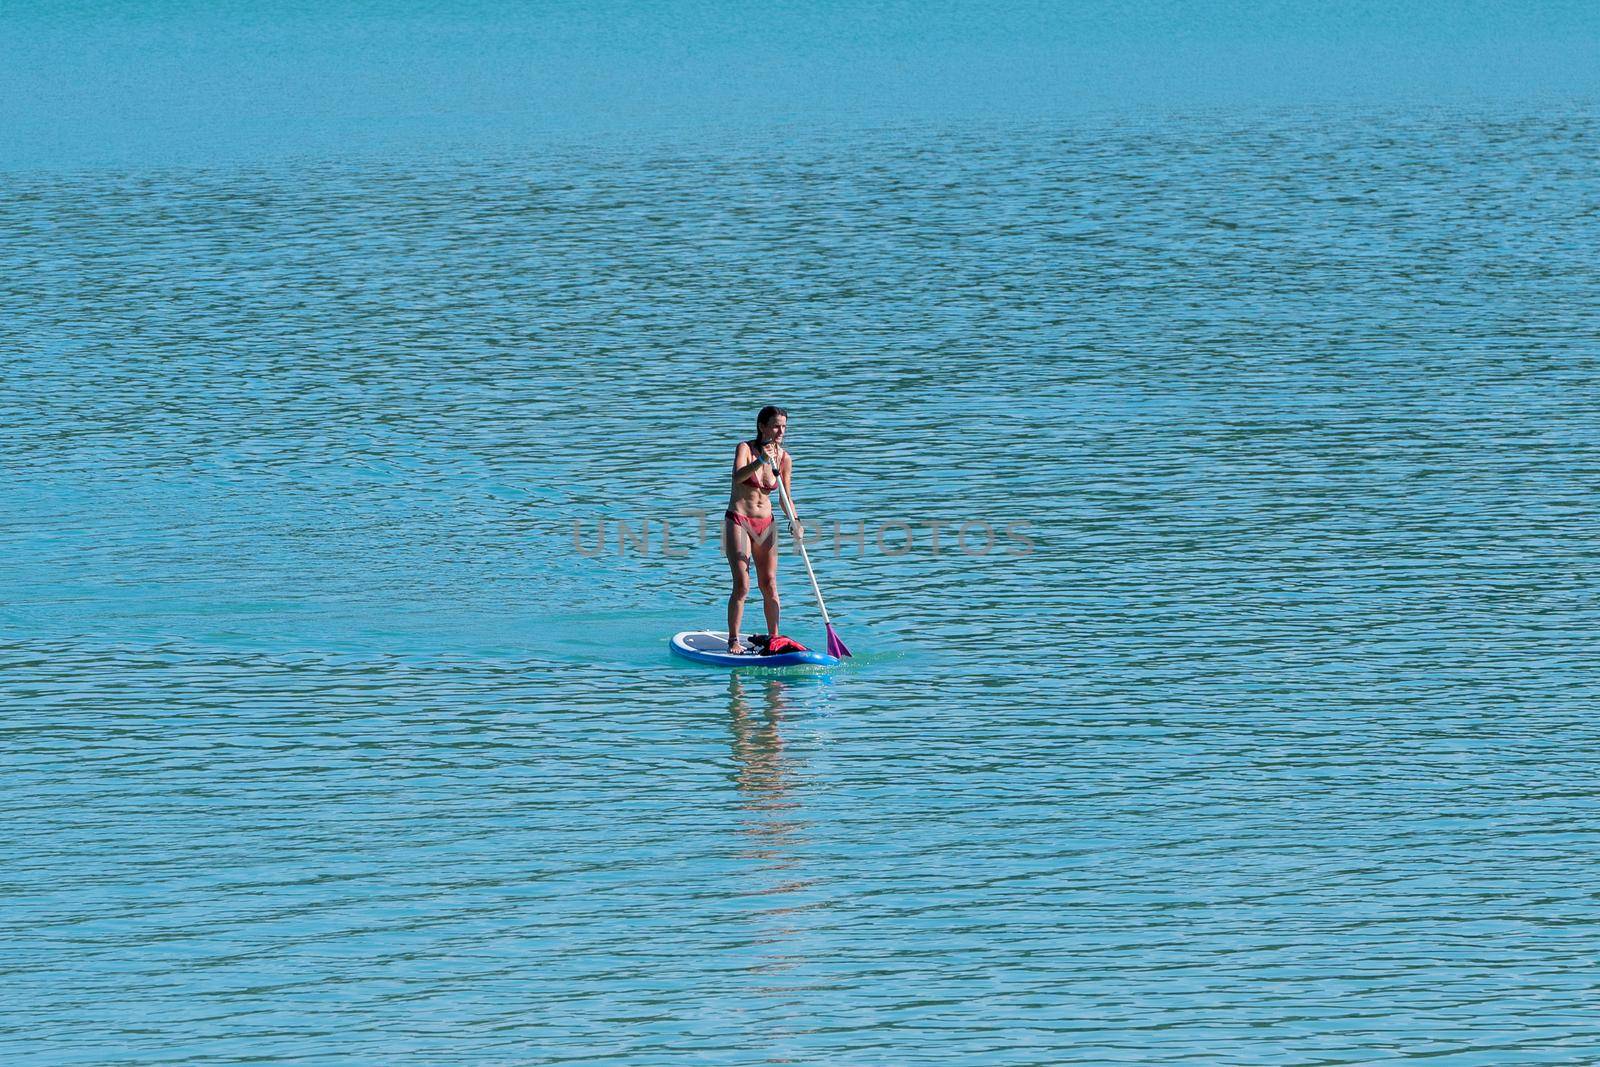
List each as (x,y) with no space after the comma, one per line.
(711,646)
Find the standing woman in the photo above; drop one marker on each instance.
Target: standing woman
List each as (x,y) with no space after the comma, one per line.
(748,533)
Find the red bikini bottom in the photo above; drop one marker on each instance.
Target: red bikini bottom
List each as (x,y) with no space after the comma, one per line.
(758,527)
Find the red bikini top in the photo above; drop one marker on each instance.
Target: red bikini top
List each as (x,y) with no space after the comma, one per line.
(764,488)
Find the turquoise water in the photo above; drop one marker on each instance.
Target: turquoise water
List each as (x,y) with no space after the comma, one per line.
(1262,734)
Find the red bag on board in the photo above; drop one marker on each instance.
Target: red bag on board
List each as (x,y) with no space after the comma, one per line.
(776,644)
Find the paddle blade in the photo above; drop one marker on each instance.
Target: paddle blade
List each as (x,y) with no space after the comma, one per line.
(835,646)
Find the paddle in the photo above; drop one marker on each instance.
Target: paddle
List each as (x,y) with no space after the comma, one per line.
(835,646)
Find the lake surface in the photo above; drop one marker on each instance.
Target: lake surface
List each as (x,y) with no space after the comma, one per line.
(1262,734)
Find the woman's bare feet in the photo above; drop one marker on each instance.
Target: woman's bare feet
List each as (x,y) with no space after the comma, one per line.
(734,647)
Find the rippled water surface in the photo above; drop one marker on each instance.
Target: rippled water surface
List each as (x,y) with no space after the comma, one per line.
(1266,736)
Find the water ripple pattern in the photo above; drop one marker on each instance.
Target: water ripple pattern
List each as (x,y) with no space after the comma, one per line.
(1242,714)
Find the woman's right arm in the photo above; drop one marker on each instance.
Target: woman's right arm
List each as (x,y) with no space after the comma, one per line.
(745,462)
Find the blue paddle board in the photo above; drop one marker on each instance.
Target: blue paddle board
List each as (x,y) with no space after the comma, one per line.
(711,646)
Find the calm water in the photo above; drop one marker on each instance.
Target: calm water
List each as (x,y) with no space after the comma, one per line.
(324,742)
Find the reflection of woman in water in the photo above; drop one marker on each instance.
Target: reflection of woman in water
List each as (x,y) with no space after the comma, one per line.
(776,842)
(760,766)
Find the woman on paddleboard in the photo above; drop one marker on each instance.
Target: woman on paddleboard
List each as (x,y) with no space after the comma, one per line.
(748,532)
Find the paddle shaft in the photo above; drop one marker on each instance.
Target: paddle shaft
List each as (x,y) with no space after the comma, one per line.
(794,529)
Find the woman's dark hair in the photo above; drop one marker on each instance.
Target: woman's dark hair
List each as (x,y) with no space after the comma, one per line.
(766,415)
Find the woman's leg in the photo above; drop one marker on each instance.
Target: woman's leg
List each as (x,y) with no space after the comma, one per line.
(766,553)
(736,544)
